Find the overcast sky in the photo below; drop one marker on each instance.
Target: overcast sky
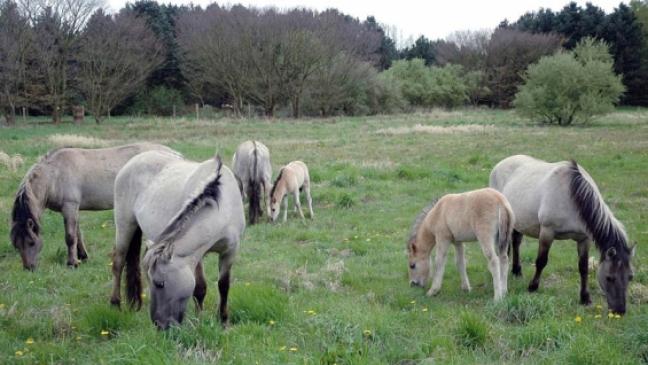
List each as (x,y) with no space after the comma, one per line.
(411,18)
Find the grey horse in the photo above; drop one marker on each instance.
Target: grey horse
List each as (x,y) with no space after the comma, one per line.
(561,201)
(185,209)
(252,168)
(67,180)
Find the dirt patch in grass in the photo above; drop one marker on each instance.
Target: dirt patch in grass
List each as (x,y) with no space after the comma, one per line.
(435,129)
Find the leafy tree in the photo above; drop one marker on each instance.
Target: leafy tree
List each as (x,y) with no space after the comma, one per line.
(422,48)
(570,86)
(387,50)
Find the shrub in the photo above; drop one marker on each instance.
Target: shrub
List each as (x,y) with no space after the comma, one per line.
(158,101)
(570,86)
(472,331)
(522,308)
(429,86)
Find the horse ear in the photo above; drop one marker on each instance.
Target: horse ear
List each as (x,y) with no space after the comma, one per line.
(610,253)
(413,246)
(633,249)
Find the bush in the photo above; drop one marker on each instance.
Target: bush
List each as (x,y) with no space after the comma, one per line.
(429,86)
(570,86)
(158,101)
(522,308)
(472,331)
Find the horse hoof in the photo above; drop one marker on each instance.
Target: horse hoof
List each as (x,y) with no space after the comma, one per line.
(115,302)
(73,264)
(83,256)
(585,299)
(517,271)
(533,287)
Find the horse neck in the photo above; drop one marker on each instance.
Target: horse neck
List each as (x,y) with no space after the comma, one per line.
(425,238)
(38,189)
(282,187)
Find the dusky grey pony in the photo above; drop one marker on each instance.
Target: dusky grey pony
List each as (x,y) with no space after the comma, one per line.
(252,168)
(67,180)
(561,201)
(185,209)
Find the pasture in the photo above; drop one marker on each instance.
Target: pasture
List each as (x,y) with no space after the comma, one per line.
(335,290)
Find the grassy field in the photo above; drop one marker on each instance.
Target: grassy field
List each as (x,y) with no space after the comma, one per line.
(335,290)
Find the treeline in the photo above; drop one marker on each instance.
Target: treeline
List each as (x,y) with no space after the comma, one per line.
(151,59)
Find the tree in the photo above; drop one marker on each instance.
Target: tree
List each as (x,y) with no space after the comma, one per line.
(118,53)
(570,86)
(387,50)
(15,41)
(422,48)
(508,54)
(640,9)
(57,26)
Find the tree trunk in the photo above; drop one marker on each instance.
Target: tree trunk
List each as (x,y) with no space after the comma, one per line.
(296,107)
(10,115)
(56,114)
(78,113)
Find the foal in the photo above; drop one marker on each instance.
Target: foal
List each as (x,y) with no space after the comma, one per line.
(480,215)
(292,178)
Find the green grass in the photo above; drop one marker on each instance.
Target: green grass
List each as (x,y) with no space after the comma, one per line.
(335,289)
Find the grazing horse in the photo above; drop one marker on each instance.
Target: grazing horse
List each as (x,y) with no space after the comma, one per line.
(561,201)
(292,178)
(482,215)
(67,180)
(185,209)
(253,171)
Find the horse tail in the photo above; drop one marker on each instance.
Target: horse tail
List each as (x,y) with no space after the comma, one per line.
(133,274)
(253,190)
(605,229)
(506,222)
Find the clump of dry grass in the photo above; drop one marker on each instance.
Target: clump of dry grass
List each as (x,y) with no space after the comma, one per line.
(12,163)
(329,276)
(75,140)
(433,129)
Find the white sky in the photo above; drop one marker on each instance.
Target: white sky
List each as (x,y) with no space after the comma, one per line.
(411,18)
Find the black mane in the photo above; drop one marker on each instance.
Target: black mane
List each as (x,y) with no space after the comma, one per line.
(606,231)
(21,213)
(211,192)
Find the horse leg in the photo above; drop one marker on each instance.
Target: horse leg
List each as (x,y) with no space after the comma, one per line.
(81,249)
(309,199)
(583,267)
(200,291)
(298,204)
(460,259)
(517,241)
(285,204)
(487,244)
(124,235)
(267,189)
(439,267)
(70,217)
(544,245)
(224,267)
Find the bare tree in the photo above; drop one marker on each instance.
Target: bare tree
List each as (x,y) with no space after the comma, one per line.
(117,55)
(15,38)
(57,26)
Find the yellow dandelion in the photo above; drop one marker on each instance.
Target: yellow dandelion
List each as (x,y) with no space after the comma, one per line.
(104,333)
(30,341)
(424,309)
(617,316)
(78,338)
(368,239)
(282,348)
(110,263)
(2,305)
(293,349)
(597,316)
(19,353)
(413,302)
(599,307)
(610,315)
(366,333)
(578,319)
(104,225)
(247,284)
(142,295)
(311,312)
(272,322)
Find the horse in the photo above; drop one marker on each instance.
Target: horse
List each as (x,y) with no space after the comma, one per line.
(67,180)
(253,171)
(482,215)
(185,209)
(559,201)
(292,179)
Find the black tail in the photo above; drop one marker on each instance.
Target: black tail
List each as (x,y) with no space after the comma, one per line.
(133,274)
(253,192)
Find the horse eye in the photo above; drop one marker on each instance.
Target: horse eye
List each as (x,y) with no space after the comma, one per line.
(630,277)
(412,266)
(158,284)
(610,279)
